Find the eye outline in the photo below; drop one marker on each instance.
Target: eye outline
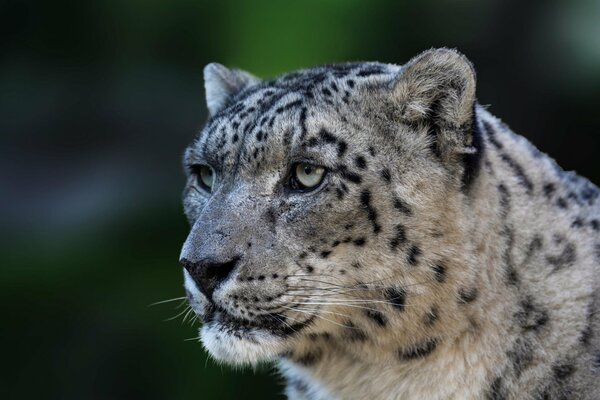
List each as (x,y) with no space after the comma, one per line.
(294,185)
(196,171)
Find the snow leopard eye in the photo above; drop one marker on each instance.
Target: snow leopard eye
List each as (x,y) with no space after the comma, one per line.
(306,176)
(204,176)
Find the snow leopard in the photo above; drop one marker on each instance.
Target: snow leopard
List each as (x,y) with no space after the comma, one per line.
(375,233)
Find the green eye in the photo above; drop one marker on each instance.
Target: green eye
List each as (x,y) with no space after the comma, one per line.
(306,176)
(204,176)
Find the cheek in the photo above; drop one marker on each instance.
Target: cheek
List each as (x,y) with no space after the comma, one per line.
(326,233)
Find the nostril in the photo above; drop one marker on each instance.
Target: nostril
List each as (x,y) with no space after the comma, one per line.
(220,272)
(209,274)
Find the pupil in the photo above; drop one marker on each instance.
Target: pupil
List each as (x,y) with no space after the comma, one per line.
(307,170)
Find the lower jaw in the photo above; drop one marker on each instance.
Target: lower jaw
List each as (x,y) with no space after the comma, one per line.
(241,346)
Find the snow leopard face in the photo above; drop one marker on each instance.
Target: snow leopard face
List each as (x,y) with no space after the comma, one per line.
(321,192)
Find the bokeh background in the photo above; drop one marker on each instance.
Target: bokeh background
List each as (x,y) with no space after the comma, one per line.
(98,100)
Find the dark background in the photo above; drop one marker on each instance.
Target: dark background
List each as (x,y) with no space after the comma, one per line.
(98,100)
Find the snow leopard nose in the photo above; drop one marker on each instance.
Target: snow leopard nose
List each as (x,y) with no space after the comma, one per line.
(209,274)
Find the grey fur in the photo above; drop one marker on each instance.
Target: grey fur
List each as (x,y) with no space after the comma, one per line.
(443,257)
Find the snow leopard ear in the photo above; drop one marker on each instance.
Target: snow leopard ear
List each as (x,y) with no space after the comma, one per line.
(437,89)
(222,83)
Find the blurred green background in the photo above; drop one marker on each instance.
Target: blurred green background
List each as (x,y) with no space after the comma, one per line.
(98,100)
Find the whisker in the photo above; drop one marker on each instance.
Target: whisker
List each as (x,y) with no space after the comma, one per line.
(361,306)
(329,312)
(178,315)
(166,301)
(322,317)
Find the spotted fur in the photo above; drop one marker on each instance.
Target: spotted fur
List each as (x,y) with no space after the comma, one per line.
(442,257)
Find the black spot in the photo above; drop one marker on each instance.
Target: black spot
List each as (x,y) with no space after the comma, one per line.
(562,203)
(397,297)
(359,241)
(518,171)
(325,254)
(234,138)
(440,272)
(413,255)
(401,206)
(399,238)
(356,265)
(386,175)
(504,198)
(326,92)
(302,122)
(521,355)
(564,259)
(420,350)
(563,371)
(312,142)
(497,390)
(310,268)
(377,316)
(350,176)
(365,200)
(371,70)
(346,97)
(327,137)
(310,358)
(472,161)
(549,189)
(350,83)
(595,224)
(360,162)
(587,333)
(342,146)
(577,223)
(467,295)
(512,278)
(259,135)
(530,317)
(270,216)
(492,135)
(354,334)
(340,193)
(288,106)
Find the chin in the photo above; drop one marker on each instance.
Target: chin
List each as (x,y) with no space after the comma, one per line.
(240,346)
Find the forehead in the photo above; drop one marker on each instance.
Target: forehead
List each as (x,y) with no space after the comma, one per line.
(266,123)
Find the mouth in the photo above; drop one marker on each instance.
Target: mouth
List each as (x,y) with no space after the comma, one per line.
(240,341)
(275,324)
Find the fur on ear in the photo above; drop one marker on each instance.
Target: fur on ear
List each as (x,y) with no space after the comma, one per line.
(222,83)
(437,88)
